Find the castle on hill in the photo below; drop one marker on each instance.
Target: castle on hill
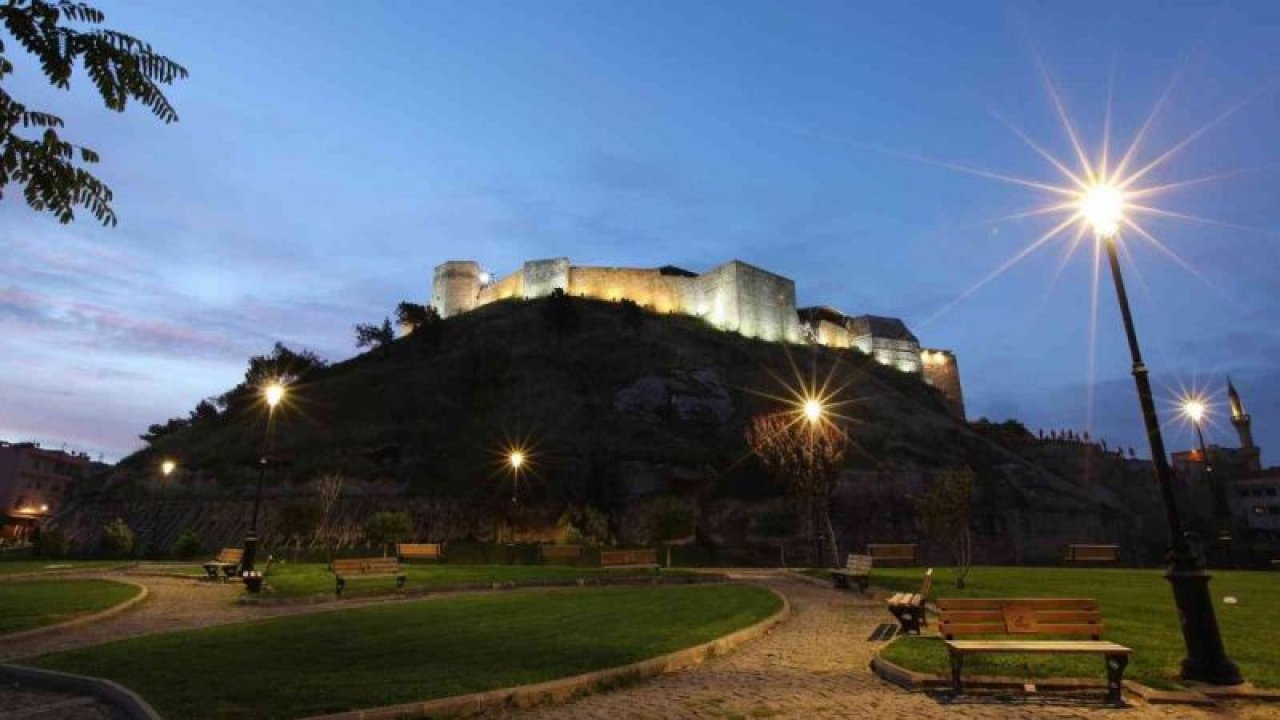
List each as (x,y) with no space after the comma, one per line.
(734,296)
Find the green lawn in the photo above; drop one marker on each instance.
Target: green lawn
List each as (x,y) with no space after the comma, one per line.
(33,603)
(333,661)
(1137,608)
(13,567)
(290,580)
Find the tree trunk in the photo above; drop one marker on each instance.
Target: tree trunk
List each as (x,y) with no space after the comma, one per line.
(668,556)
(831,536)
(782,552)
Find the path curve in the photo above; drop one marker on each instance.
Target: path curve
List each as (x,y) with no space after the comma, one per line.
(816,666)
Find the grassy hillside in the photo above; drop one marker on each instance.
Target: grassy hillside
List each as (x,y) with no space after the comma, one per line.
(435,417)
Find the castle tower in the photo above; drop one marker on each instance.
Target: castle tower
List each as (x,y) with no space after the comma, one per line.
(942,371)
(1239,418)
(455,289)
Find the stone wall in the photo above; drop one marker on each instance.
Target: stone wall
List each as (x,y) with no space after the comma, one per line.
(511,286)
(647,287)
(942,371)
(541,277)
(832,335)
(765,303)
(455,289)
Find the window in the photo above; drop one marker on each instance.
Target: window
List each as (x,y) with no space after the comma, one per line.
(1271,492)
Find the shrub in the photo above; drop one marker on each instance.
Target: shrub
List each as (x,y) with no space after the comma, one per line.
(388,528)
(668,519)
(117,539)
(50,543)
(187,546)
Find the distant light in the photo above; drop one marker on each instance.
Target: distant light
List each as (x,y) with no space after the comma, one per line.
(1194,409)
(485,278)
(167,467)
(516,459)
(44,508)
(1103,207)
(273,393)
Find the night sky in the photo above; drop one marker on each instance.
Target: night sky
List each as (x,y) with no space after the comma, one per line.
(329,155)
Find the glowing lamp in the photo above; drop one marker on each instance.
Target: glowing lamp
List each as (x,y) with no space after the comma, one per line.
(167,467)
(1103,208)
(273,393)
(1194,409)
(516,459)
(813,410)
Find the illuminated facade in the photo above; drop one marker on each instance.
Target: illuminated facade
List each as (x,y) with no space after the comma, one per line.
(734,296)
(34,484)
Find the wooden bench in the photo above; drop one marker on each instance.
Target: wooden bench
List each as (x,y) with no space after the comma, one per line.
(420,551)
(361,568)
(561,554)
(1029,618)
(629,558)
(1099,554)
(893,554)
(857,568)
(909,607)
(227,563)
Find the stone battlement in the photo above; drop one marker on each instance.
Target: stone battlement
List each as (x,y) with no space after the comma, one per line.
(735,296)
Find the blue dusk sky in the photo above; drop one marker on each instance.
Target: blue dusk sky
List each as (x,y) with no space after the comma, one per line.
(329,155)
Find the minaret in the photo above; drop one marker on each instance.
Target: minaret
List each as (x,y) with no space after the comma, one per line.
(1239,418)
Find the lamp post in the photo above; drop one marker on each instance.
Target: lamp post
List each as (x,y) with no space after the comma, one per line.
(813,410)
(1195,410)
(272,394)
(1206,660)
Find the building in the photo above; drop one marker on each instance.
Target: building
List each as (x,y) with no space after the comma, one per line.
(735,296)
(35,484)
(1250,492)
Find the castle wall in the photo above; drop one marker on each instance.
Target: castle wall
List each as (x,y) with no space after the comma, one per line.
(942,371)
(832,335)
(511,286)
(455,288)
(745,299)
(649,288)
(541,277)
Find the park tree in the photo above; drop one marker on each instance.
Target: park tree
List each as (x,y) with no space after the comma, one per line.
(328,490)
(187,546)
(778,524)
(295,521)
(947,513)
(389,528)
(668,519)
(369,335)
(117,539)
(805,458)
(62,35)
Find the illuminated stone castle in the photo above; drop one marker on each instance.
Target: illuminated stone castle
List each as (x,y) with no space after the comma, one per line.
(734,296)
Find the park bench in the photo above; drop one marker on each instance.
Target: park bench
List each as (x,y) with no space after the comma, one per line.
(856,568)
(561,554)
(884,553)
(227,563)
(1093,554)
(629,558)
(1029,619)
(909,607)
(345,569)
(420,551)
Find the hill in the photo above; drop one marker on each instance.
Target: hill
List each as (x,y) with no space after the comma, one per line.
(622,406)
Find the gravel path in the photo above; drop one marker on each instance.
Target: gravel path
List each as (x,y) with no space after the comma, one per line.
(816,666)
(813,666)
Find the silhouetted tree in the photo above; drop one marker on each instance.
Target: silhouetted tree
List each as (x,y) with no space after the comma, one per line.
(561,313)
(947,513)
(388,528)
(295,521)
(668,519)
(121,67)
(375,336)
(806,459)
(421,321)
(117,539)
(632,314)
(779,525)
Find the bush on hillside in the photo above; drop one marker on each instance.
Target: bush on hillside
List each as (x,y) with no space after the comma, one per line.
(187,546)
(117,539)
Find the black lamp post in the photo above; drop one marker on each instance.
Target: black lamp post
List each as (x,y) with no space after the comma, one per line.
(1195,409)
(272,394)
(1206,659)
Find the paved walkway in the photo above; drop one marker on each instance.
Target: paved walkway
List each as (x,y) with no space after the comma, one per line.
(813,666)
(816,666)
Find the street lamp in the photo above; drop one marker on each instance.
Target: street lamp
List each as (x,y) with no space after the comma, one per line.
(272,394)
(1196,409)
(167,467)
(516,460)
(1102,206)
(813,410)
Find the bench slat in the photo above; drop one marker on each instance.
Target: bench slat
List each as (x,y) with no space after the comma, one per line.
(997,604)
(1038,647)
